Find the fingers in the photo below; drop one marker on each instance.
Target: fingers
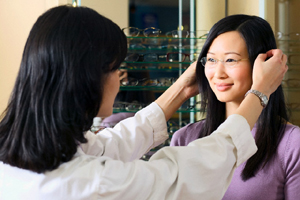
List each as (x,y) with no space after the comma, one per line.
(268,73)
(262,57)
(274,52)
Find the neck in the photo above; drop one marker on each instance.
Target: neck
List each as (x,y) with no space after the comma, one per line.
(231,108)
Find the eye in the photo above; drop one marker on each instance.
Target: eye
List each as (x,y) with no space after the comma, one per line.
(211,60)
(230,60)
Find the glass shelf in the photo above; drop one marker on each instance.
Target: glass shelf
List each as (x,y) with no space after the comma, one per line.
(182,110)
(143,88)
(154,68)
(168,38)
(164,62)
(290,89)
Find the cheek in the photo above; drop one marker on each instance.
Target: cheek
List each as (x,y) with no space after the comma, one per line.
(245,75)
(209,74)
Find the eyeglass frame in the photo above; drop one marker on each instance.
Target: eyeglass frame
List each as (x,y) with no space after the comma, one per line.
(139,30)
(292,82)
(167,56)
(160,82)
(127,104)
(204,59)
(187,34)
(136,82)
(140,57)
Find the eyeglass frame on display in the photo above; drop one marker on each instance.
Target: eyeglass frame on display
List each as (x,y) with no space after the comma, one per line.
(289,61)
(160,82)
(139,30)
(280,35)
(126,104)
(291,82)
(187,33)
(293,106)
(140,57)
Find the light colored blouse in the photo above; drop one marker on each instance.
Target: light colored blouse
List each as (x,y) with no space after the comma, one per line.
(108,166)
(278,180)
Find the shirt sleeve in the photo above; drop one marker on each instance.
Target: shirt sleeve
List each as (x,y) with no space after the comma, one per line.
(131,138)
(203,169)
(292,165)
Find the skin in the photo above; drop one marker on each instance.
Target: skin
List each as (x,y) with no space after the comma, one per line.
(111,90)
(229,84)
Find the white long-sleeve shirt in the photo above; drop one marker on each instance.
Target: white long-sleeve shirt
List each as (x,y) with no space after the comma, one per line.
(107,167)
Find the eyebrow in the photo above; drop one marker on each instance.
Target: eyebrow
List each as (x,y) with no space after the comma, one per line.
(227,53)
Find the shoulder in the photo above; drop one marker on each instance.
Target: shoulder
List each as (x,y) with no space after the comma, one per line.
(187,134)
(291,136)
(289,147)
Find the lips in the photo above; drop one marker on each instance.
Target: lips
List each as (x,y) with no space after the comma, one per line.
(223,86)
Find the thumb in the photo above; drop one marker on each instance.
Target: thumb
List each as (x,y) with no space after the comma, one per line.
(262,57)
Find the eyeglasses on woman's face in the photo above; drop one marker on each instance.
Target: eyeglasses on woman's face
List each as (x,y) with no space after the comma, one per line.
(211,63)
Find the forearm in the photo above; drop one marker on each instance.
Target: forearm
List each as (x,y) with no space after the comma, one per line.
(250,109)
(171,100)
(130,138)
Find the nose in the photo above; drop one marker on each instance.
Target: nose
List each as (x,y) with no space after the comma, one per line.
(220,71)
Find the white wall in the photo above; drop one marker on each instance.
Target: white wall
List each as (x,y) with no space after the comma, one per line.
(16,20)
(116,10)
(208,12)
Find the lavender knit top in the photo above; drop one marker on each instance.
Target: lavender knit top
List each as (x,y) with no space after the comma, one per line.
(279,179)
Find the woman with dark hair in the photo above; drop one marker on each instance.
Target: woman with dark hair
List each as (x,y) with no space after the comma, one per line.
(224,75)
(69,75)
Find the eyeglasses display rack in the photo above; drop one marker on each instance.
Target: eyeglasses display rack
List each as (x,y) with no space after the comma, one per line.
(288,40)
(290,44)
(161,60)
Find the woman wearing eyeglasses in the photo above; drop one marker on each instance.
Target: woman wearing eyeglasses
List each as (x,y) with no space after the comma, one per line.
(68,75)
(225,71)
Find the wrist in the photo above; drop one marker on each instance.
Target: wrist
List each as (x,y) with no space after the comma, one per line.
(171,100)
(262,90)
(262,97)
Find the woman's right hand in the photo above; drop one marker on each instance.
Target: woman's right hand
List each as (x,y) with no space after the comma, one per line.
(188,81)
(268,74)
(184,88)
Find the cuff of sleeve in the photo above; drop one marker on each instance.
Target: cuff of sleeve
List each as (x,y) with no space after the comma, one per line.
(157,120)
(241,136)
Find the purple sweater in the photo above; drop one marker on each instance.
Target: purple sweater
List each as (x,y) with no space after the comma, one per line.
(279,179)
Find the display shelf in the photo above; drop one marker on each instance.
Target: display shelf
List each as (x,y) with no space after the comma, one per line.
(181,110)
(158,63)
(153,68)
(143,88)
(291,81)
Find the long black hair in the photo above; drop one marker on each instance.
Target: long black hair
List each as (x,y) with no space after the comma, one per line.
(59,87)
(259,38)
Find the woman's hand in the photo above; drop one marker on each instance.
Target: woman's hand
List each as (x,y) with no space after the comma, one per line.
(188,81)
(268,74)
(184,88)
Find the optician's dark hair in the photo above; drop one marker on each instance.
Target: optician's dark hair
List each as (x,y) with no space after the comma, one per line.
(259,38)
(59,88)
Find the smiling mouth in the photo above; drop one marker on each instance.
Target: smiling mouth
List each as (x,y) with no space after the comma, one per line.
(223,87)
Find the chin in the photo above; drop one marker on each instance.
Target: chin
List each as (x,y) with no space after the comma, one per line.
(222,99)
